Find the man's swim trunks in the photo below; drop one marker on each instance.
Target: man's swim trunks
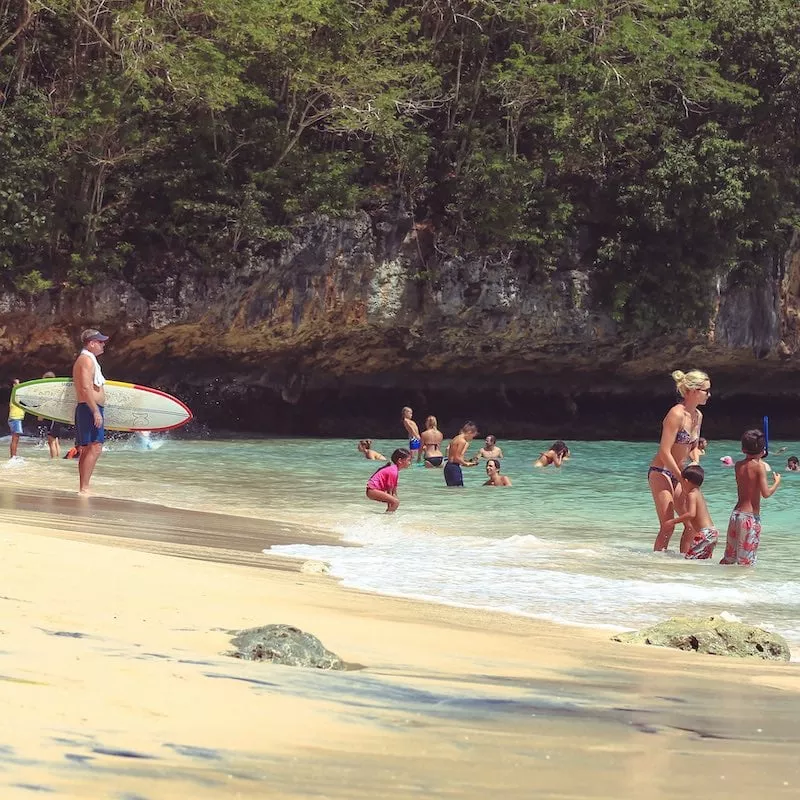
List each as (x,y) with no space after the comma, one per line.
(453,476)
(15,426)
(435,461)
(702,545)
(85,432)
(744,535)
(414,444)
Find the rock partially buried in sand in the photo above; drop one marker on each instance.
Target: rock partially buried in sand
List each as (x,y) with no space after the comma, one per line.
(284,644)
(315,567)
(714,635)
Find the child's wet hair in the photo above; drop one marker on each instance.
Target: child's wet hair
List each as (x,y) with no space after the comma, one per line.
(400,454)
(695,474)
(559,447)
(494,461)
(753,442)
(793,460)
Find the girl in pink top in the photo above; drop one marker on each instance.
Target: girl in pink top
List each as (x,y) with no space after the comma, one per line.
(382,486)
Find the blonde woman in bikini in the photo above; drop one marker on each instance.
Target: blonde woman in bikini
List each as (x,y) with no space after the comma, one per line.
(680,434)
(431,439)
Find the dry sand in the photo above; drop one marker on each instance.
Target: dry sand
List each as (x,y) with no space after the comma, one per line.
(113,685)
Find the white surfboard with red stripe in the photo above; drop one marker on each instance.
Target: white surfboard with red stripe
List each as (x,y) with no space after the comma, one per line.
(129,407)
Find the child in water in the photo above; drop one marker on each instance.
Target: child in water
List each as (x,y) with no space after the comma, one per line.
(706,535)
(793,464)
(382,486)
(744,528)
(412,429)
(493,474)
(365,447)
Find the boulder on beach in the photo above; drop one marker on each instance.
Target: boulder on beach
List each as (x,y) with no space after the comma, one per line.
(284,644)
(714,635)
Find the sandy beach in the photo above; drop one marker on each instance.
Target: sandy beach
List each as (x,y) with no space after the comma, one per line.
(114,682)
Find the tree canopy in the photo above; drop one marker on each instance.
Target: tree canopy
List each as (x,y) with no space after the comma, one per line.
(652,142)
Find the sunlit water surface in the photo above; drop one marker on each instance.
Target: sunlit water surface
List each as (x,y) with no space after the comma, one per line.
(572,545)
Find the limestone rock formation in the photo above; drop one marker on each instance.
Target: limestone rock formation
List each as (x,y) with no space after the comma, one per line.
(713,635)
(353,317)
(284,644)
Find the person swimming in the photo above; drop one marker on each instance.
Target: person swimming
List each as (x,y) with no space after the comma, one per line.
(556,455)
(365,446)
(493,474)
(793,464)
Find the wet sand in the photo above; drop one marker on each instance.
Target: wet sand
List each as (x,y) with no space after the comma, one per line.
(113,682)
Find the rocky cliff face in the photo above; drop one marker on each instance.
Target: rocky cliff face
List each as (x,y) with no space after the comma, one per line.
(354,318)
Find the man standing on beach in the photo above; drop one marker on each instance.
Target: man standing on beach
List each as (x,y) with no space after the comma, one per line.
(91,395)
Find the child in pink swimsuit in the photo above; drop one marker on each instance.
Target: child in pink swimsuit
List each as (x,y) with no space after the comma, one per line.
(382,486)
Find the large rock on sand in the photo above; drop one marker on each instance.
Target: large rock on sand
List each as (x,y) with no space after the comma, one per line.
(284,644)
(714,635)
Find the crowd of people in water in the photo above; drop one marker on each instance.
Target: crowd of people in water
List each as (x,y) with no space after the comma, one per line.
(675,475)
(426,448)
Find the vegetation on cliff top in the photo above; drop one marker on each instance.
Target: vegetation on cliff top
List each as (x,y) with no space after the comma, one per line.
(653,142)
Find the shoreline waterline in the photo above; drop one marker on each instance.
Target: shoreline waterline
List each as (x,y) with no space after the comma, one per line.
(570,545)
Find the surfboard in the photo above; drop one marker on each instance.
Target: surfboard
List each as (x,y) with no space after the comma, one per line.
(129,407)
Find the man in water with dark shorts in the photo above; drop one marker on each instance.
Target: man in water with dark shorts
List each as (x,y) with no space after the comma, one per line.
(456,452)
(91,396)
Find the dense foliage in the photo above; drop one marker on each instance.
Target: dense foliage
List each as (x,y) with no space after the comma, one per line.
(654,142)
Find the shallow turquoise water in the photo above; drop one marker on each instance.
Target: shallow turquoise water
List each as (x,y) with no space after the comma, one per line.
(571,545)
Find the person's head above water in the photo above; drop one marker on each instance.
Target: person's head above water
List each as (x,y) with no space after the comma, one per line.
(694,474)
(401,456)
(559,447)
(491,441)
(753,442)
(693,381)
(492,466)
(726,461)
(702,443)
(793,462)
(469,430)
(365,444)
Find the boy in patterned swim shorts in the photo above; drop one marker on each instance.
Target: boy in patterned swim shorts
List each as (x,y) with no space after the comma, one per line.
(744,528)
(696,514)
